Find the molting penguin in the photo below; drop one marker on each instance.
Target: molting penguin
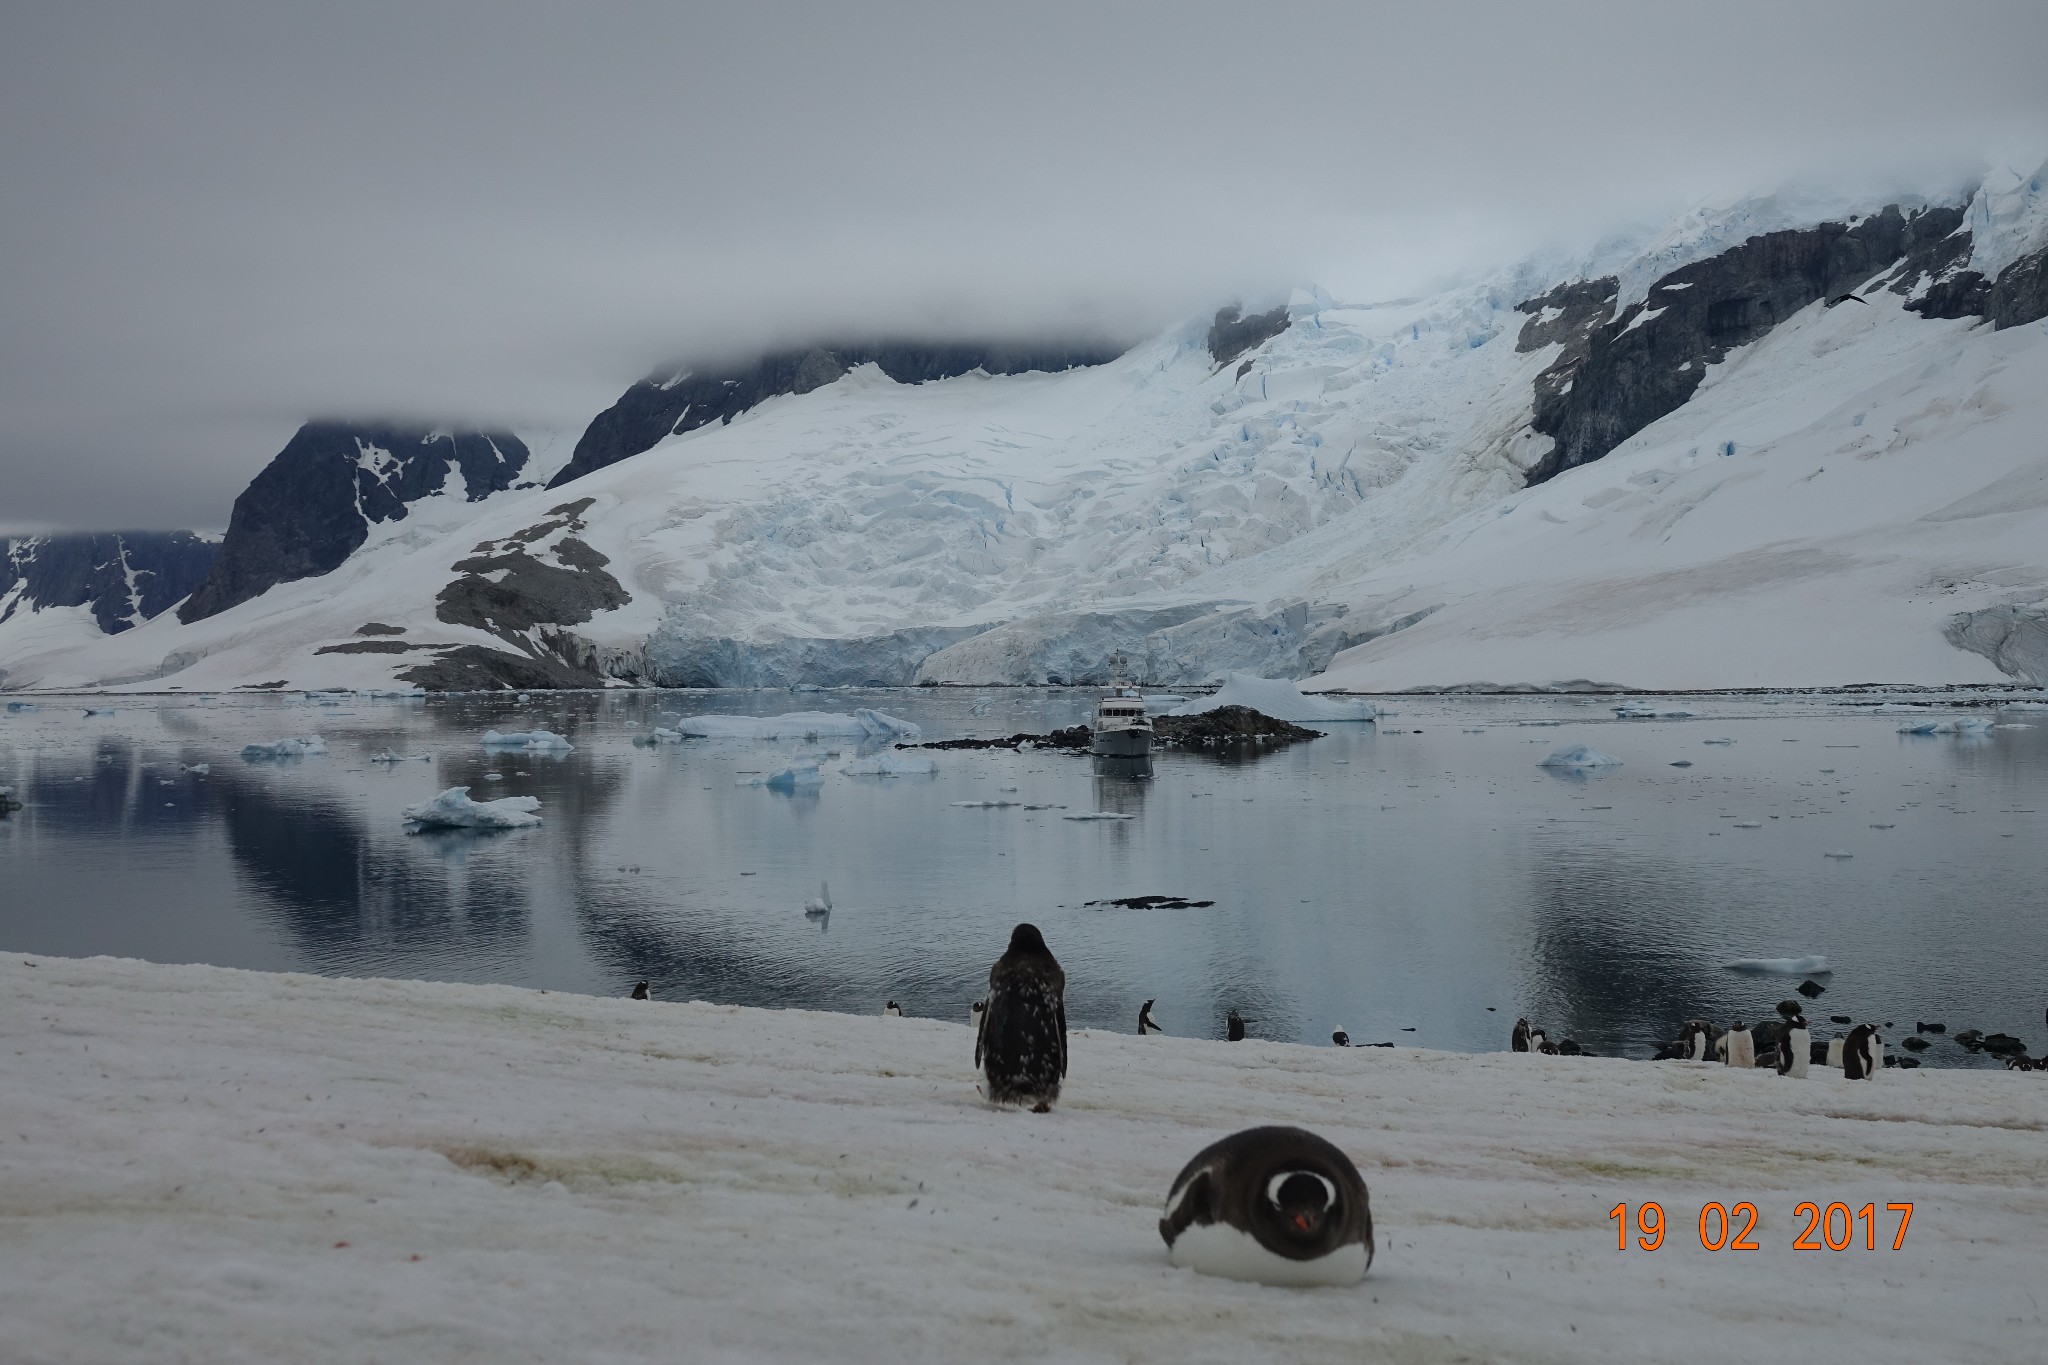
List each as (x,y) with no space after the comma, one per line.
(1795,1047)
(1276,1206)
(1741,1046)
(1233,1027)
(1147,1025)
(1863,1053)
(1022,1047)
(1520,1039)
(1340,1037)
(640,991)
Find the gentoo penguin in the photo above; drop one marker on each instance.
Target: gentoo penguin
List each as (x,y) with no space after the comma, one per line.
(1519,1040)
(1147,1025)
(892,1010)
(1340,1037)
(1795,1048)
(1022,1050)
(820,905)
(1233,1027)
(1696,1040)
(640,991)
(1741,1046)
(1835,1053)
(1863,1054)
(1274,1205)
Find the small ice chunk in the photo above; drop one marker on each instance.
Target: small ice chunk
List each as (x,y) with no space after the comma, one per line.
(201,768)
(1100,815)
(1717,741)
(1579,756)
(1749,824)
(1837,855)
(1815,965)
(986,805)
(658,737)
(536,741)
(890,763)
(286,748)
(453,809)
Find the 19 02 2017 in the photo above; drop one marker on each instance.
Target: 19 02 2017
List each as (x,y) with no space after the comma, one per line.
(1736,1227)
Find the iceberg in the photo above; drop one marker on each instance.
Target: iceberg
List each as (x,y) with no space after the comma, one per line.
(1579,756)
(453,809)
(1816,965)
(537,741)
(889,763)
(1962,725)
(862,724)
(285,748)
(1278,698)
(801,771)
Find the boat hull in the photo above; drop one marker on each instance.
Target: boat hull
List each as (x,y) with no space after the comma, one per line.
(1123,742)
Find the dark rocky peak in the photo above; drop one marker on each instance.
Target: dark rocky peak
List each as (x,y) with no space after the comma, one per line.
(126,577)
(315,502)
(2018,296)
(1232,333)
(1648,361)
(679,399)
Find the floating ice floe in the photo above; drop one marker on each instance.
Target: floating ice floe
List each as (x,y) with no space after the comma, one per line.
(200,768)
(453,809)
(21,706)
(1100,815)
(1278,698)
(862,724)
(396,692)
(800,772)
(987,805)
(1837,855)
(534,741)
(889,763)
(286,748)
(1962,725)
(657,737)
(1816,965)
(386,756)
(1749,824)
(1579,756)
(1642,710)
(1723,740)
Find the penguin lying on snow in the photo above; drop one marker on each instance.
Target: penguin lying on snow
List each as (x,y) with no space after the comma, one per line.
(1147,1025)
(1022,1045)
(1277,1206)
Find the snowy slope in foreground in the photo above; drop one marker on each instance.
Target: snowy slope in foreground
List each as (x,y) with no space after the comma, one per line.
(206,1164)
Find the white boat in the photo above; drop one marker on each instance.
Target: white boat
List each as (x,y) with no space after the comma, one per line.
(1121,729)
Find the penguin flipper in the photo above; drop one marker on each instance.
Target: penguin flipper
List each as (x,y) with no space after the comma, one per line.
(1060,1012)
(1190,1205)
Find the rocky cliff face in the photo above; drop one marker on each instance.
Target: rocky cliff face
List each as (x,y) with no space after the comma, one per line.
(126,577)
(674,401)
(315,502)
(1618,375)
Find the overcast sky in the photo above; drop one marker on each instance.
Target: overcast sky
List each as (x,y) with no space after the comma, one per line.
(220,219)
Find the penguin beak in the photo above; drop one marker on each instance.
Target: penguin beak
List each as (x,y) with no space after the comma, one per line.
(1304,1222)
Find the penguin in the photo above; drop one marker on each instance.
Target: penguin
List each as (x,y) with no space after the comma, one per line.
(1795,1048)
(1273,1205)
(1863,1054)
(1695,1037)
(1518,1041)
(640,991)
(1022,1048)
(1340,1037)
(1835,1052)
(1147,1025)
(892,1010)
(820,905)
(1537,1041)
(1741,1046)
(1233,1027)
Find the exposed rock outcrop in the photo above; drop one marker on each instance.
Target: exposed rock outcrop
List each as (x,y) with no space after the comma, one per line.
(679,399)
(315,502)
(1648,361)
(1232,333)
(126,577)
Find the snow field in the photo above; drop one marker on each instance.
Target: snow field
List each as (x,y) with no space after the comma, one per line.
(203,1164)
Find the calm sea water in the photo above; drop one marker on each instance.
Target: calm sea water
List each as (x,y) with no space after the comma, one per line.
(1423,874)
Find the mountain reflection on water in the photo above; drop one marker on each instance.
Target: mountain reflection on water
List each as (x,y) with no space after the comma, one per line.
(1423,874)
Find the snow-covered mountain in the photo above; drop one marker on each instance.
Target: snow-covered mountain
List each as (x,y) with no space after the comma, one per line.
(59,591)
(1777,444)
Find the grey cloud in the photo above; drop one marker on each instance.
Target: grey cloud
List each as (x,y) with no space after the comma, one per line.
(225,217)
